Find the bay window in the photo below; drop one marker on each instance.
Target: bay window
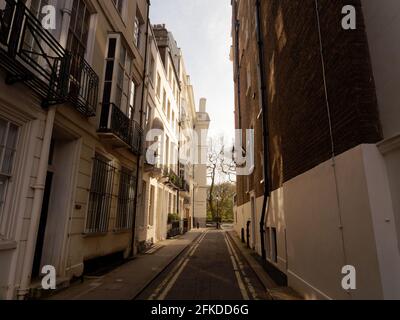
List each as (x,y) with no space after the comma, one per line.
(119,86)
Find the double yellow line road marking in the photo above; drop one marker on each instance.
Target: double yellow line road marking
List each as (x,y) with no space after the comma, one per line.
(241,276)
(167,284)
(246,288)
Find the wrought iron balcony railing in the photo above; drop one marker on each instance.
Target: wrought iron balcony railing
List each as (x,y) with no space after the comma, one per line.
(83,86)
(172,178)
(30,54)
(185,186)
(113,121)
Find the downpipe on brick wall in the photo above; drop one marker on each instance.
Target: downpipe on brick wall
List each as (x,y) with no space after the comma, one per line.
(265,128)
(140,157)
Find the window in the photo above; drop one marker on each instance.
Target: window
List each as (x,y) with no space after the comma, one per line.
(125,87)
(173,120)
(132,99)
(164,102)
(169,111)
(148,114)
(118,77)
(100,195)
(126,198)
(158,86)
(166,156)
(78,29)
(119,4)
(8,144)
(33,44)
(170,75)
(151,69)
(137,30)
(151,206)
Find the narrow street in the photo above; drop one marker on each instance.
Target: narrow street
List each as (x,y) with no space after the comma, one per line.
(211,268)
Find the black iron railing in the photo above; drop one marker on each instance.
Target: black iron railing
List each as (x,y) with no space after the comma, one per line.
(113,120)
(83,86)
(174,229)
(185,186)
(30,54)
(172,178)
(100,196)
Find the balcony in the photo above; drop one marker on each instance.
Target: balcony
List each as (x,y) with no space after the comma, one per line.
(185,186)
(30,54)
(172,179)
(118,130)
(83,86)
(152,167)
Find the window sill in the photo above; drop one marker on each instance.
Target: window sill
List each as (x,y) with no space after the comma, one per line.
(6,245)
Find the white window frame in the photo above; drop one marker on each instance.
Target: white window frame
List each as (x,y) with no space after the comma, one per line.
(129,87)
(5,218)
(116,4)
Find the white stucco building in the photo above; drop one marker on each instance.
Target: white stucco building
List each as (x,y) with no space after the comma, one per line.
(70,137)
(169,181)
(200,196)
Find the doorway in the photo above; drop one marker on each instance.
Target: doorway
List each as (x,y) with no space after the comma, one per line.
(36,268)
(57,207)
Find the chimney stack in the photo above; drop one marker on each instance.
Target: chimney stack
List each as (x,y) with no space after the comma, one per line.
(203,103)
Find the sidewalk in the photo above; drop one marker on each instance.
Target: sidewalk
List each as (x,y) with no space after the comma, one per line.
(275,291)
(126,281)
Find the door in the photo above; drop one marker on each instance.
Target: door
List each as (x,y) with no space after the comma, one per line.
(36,268)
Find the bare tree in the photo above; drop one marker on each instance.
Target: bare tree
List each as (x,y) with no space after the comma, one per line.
(220,169)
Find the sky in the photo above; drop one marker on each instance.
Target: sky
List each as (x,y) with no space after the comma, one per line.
(202,29)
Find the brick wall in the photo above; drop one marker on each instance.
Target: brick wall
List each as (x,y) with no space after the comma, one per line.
(298,118)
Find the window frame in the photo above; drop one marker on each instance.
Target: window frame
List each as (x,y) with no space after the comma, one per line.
(7,176)
(120,7)
(125,200)
(98,221)
(129,87)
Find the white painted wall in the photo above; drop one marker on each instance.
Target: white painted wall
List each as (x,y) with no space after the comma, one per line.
(326,229)
(382,20)
(19,106)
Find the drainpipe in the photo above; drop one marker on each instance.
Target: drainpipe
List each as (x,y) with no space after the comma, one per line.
(237,62)
(37,206)
(265,126)
(132,253)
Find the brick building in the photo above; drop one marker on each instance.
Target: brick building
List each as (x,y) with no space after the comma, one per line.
(330,196)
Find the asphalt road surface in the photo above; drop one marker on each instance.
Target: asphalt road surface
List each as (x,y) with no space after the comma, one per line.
(212,268)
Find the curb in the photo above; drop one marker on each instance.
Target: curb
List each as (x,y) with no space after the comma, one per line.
(267,282)
(274,291)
